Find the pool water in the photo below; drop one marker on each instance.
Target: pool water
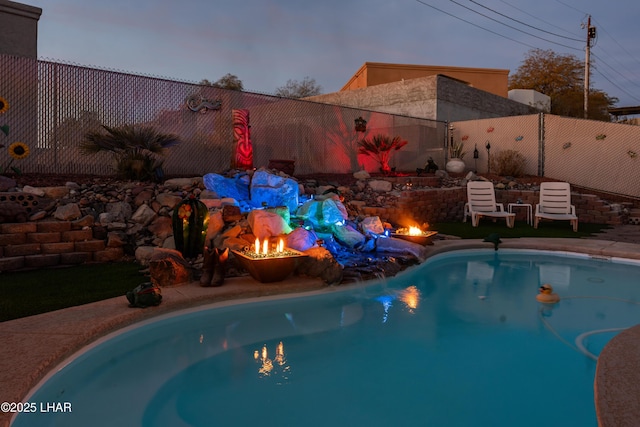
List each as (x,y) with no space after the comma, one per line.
(457,341)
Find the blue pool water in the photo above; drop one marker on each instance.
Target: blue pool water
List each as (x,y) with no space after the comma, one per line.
(457,341)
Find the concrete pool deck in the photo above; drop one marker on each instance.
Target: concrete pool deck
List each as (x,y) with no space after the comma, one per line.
(35,345)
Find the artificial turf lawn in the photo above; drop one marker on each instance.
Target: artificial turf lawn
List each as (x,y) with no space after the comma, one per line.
(521,229)
(26,293)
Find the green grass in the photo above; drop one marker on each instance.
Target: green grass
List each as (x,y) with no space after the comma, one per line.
(521,229)
(32,292)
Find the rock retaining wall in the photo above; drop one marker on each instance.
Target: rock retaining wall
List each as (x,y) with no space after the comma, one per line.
(447,205)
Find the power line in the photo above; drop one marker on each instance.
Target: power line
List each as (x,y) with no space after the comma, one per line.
(618,72)
(571,7)
(512,27)
(616,42)
(475,25)
(610,81)
(524,23)
(536,18)
(618,87)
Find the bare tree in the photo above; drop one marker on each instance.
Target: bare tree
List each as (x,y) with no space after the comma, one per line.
(228,81)
(296,89)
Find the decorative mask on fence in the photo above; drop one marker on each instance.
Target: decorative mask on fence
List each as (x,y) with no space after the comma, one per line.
(243,155)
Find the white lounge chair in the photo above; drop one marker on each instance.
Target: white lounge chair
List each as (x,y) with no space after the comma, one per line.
(481,202)
(555,204)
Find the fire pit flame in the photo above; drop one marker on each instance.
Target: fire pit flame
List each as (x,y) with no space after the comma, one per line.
(415,234)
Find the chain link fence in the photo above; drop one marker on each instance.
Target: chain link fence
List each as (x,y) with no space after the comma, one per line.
(591,154)
(53,105)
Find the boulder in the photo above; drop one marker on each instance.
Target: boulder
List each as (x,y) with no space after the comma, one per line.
(33,190)
(168,268)
(348,236)
(67,212)
(400,246)
(362,174)
(6,183)
(235,188)
(372,225)
(183,183)
(161,227)
(13,212)
(266,224)
(323,214)
(320,263)
(301,239)
(120,211)
(380,185)
(272,190)
(144,215)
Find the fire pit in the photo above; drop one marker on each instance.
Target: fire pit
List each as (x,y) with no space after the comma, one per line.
(415,235)
(266,264)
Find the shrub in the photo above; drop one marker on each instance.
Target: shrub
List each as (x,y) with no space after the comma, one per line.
(381,147)
(508,163)
(136,149)
(456,150)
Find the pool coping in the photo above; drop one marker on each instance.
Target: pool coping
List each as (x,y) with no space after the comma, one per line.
(33,346)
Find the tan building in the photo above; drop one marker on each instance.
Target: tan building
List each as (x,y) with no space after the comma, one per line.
(490,80)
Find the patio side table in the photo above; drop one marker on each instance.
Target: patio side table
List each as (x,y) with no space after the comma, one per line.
(510,207)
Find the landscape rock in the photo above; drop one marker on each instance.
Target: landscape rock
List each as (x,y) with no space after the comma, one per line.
(67,212)
(272,190)
(6,183)
(400,246)
(380,186)
(266,224)
(168,268)
(12,212)
(361,174)
(320,263)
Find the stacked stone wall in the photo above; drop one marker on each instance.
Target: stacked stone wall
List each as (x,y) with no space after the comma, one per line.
(447,205)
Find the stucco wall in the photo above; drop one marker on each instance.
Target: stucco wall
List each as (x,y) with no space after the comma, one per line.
(434,97)
(19,24)
(491,80)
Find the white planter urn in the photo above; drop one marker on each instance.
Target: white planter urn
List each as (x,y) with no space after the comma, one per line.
(455,165)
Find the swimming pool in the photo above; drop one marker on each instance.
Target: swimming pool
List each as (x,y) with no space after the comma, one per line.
(459,340)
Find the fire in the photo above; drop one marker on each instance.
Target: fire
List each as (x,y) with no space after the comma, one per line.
(263,248)
(415,231)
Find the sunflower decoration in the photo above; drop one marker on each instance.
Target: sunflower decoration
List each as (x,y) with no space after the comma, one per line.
(4,105)
(17,151)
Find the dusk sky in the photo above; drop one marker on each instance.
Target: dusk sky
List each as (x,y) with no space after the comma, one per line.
(267,42)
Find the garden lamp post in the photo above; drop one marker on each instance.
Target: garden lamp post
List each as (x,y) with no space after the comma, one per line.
(450,137)
(476,154)
(361,124)
(488,147)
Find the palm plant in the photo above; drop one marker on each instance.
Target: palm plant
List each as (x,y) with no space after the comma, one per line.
(381,147)
(136,149)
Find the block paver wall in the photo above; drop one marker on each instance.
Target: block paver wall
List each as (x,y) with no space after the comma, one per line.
(51,243)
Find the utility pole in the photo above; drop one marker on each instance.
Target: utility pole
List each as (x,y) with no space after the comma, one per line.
(591,34)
